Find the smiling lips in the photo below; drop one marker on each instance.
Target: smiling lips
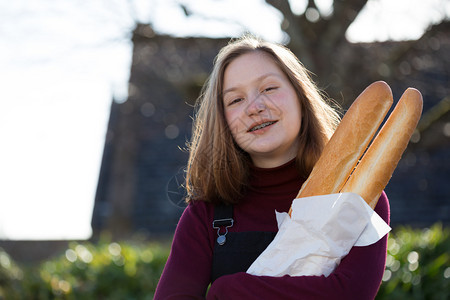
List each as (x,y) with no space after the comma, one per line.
(261,126)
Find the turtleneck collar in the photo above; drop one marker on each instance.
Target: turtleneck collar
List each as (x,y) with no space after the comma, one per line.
(275,180)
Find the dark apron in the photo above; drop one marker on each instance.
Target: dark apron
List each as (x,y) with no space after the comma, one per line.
(235,251)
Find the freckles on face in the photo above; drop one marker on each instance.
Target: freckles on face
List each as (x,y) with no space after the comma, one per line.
(261,107)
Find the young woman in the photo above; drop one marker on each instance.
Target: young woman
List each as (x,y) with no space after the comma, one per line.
(260,127)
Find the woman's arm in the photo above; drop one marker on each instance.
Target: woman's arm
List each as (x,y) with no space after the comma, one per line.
(187,271)
(358,276)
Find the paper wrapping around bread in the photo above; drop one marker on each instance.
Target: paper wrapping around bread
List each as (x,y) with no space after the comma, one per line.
(348,143)
(376,167)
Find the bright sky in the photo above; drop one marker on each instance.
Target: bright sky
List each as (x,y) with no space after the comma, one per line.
(62,62)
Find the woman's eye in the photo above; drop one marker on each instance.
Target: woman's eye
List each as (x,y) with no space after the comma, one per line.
(235,101)
(269,89)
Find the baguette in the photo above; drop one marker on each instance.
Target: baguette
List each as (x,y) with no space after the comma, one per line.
(376,167)
(341,154)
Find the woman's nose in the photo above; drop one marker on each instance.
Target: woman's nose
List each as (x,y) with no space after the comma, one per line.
(256,106)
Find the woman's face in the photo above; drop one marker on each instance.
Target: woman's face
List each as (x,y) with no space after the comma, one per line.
(262,109)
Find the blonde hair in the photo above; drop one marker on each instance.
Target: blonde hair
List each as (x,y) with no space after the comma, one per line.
(217,168)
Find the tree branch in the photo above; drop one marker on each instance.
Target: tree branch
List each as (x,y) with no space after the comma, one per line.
(344,13)
(300,42)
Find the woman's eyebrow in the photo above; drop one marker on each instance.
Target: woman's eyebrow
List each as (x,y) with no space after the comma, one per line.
(258,79)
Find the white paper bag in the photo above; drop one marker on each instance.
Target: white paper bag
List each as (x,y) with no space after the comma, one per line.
(319,233)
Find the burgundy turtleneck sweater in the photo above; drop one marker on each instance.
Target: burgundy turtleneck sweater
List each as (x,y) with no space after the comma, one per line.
(188,269)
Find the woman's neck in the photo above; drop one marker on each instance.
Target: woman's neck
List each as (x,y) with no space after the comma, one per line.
(266,162)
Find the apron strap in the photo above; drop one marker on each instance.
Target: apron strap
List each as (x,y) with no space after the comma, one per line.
(236,251)
(223,219)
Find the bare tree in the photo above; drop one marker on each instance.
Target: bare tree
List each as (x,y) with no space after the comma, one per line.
(320,42)
(307,34)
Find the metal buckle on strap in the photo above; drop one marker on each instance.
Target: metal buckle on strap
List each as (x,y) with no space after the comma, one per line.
(223,222)
(218,224)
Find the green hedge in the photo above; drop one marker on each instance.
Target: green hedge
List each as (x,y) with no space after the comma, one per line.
(418,267)
(126,270)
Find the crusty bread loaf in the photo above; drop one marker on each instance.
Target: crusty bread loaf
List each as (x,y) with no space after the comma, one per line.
(376,167)
(349,141)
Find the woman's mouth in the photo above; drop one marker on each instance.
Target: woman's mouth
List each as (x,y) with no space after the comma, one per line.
(261,126)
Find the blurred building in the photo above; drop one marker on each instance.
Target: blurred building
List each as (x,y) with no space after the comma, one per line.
(144,157)
(143,160)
